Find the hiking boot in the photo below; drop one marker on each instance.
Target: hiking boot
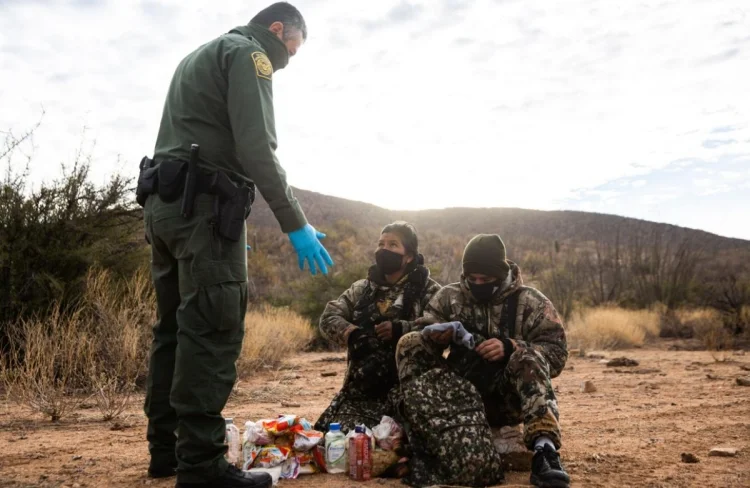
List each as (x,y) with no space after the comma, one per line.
(233,477)
(161,470)
(547,470)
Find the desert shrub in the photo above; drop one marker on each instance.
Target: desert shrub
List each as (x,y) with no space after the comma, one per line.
(47,363)
(271,335)
(52,234)
(612,327)
(100,348)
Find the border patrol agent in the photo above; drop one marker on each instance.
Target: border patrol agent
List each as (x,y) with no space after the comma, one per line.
(215,145)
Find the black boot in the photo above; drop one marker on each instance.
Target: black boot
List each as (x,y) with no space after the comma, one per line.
(233,477)
(546,469)
(162,470)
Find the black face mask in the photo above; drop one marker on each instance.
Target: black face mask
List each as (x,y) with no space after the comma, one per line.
(387,261)
(483,292)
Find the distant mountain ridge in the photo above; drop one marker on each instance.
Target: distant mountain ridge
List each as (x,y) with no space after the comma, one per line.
(558,225)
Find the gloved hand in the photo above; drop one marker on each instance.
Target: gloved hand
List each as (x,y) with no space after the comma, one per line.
(306,242)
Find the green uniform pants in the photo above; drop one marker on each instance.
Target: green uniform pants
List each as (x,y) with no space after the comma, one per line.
(201,293)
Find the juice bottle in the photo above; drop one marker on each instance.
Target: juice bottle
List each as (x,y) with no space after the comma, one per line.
(360,455)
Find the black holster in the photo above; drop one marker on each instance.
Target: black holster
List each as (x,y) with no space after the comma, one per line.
(148,180)
(168,179)
(235,203)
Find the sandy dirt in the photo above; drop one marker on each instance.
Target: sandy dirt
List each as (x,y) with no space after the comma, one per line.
(630,432)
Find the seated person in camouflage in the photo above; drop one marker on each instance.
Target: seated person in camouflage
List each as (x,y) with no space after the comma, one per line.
(369,318)
(519,345)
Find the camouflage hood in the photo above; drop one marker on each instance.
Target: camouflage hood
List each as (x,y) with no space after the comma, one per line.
(512,283)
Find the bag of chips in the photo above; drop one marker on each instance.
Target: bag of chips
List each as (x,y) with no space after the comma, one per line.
(271,456)
(306,440)
(280,425)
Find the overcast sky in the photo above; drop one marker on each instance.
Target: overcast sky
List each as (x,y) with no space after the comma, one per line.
(639,109)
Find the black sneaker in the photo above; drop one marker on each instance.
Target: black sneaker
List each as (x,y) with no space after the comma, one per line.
(233,477)
(546,469)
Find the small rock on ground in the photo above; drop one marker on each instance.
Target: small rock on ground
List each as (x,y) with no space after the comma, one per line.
(326,374)
(620,362)
(588,387)
(290,404)
(689,458)
(743,381)
(723,452)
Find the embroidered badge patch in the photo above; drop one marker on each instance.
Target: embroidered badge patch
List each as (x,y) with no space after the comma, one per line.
(263,67)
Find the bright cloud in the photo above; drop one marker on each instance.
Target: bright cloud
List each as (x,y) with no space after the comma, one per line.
(417,104)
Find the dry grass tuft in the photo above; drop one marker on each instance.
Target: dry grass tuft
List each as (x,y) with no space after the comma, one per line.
(99,349)
(611,327)
(271,335)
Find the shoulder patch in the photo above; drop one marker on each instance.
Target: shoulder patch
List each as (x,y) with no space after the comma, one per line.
(263,67)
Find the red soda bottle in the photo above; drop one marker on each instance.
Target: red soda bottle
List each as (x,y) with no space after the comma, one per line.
(360,455)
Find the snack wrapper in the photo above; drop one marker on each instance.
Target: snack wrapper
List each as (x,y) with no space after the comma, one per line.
(256,434)
(250,453)
(319,457)
(280,425)
(290,468)
(306,440)
(305,458)
(271,456)
(388,434)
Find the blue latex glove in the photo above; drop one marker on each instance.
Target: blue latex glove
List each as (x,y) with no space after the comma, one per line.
(306,242)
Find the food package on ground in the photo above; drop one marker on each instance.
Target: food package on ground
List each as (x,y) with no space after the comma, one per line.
(250,453)
(280,425)
(304,424)
(382,460)
(309,469)
(304,458)
(284,441)
(306,440)
(271,456)
(388,434)
(319,456)
(274,472)
(290,468)
(256,434)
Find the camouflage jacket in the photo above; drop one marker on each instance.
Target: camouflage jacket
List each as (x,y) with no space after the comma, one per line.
(343,313)
(537,324)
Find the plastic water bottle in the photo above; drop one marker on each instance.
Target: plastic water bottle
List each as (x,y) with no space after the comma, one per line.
(232,441)
(335,450)
(360,455)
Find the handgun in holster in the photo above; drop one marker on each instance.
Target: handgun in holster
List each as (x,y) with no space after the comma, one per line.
(234,205)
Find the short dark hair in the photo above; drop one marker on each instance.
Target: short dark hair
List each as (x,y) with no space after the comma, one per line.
(282,12)
(407,233)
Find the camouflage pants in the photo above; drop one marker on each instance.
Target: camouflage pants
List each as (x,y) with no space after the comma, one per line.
(367,394)
(449,437)
(519,392)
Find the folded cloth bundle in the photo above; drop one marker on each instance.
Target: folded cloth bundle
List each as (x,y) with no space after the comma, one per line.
(460,335)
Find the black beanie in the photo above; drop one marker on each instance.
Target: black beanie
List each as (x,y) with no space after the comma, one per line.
(485,254)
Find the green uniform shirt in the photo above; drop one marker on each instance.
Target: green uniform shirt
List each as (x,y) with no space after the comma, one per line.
(221,97)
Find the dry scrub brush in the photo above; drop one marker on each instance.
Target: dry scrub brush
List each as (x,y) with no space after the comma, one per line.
(98,349)
(612,327)
(47,363)
(123,313)
(271,335)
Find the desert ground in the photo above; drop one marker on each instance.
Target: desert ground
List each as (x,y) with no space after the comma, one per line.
(631,431)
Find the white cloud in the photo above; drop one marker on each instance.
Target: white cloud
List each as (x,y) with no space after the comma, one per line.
(479,103)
